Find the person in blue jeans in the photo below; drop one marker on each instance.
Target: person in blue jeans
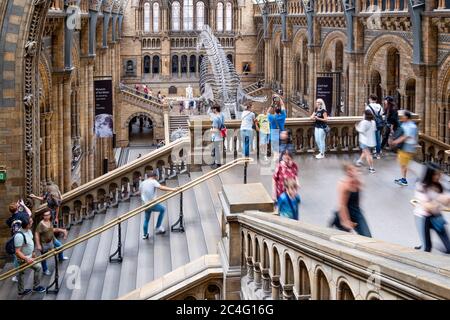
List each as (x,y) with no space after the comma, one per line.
(247,122)
(289,200)
(45,239)
(147,190)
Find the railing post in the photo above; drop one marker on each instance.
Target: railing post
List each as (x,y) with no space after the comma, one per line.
(173,228)
(257,145)
(250,276)
(118,252)
(56,280)
(266,282)
(235,147)
(245,172)
(275,287)
(257,274)
(288,292)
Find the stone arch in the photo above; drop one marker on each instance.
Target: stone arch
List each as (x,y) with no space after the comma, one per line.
(344,291)
(388,39)
(126,124)
(372,295)
(304,283)
(322,285)
(276,262)
(327,44)
(288,274)
(266,256)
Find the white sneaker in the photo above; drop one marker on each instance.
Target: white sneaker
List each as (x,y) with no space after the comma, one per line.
(320,156)
(160,230)
(14,279)
(47,273)
(358,163)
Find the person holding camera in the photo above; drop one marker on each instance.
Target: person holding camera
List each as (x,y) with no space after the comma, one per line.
(19,213)
(53,198)
(46,240)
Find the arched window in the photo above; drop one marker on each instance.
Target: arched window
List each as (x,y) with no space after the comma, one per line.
(147,17)
(188,15)
(200,15)
(147,64)
(175,64)
(155,65)
(228,17)
(220,16)
(176,16)
(156,17)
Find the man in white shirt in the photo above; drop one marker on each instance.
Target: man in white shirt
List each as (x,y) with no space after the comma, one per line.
(147,190)
(377,111)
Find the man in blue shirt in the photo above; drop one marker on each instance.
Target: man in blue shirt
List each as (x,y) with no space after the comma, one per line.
(407,143)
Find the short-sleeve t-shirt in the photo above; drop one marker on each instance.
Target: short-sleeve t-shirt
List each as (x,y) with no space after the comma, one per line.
(27,249)
(320,124)
(264,125)
(45,233)
(217,122)
(277,121)
(148,190)
(248,118)
(410,130)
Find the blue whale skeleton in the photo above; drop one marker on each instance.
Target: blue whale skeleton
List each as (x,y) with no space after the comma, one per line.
(219,81)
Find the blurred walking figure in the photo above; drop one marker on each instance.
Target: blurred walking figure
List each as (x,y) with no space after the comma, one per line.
(320,116)
(377,110)
(407,144)
(289,200)
(349,217)
(392,122)
(432,200)
(285,169)
(277,120)
(367,141)
(264,131)
(218,121)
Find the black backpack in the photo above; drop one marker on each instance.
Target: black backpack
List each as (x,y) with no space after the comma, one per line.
(378,119)
(10,248)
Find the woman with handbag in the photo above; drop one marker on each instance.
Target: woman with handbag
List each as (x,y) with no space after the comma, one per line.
(431,201)
(320,116)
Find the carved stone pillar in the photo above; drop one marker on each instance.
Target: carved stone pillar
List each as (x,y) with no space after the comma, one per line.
(257,274)
(288,292)
(250,274)
(266,282)
(275,287)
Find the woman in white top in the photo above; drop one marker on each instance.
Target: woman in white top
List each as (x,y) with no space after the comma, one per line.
(248,120)
(367,140)
(432,200)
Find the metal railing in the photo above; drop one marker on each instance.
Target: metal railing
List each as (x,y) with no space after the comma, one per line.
(124,217)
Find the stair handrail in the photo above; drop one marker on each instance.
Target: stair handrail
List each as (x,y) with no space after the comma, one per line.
(116,172)
(141,95)
(124,217)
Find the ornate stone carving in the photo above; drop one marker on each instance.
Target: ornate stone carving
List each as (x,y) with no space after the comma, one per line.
(28,101)
(31,48)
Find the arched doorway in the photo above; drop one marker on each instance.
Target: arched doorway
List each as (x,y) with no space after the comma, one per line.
(140,130)
(192,64)
(410,97)
(147,64)
(184,64)
(156,64)
(175,65)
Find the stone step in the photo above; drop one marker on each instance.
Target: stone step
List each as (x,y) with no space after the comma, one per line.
(87,265)
(192,222)
(162,260)
(101,261)
(111,279)
(130,251)
(7,286)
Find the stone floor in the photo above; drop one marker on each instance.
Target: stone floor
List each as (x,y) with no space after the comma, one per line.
(386,205)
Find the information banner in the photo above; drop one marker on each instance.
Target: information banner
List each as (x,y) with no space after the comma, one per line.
(103,108)
(325,91)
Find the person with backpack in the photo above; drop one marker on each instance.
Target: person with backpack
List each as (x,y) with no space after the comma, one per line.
(19,213)
(248,120)
(45,239)
(24,246)
(407,144)
(367,141)
(289,200)
(320,115)
(377,111)
(217,132)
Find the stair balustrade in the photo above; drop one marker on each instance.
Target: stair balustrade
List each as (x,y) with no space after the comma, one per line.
(434,150)
(117,174)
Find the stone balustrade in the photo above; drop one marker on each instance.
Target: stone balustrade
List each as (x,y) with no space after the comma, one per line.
(119,185)
(281,258)
(434,150)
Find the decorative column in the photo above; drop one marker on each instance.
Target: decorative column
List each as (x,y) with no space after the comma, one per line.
(67,155)
(275,287)
(265,276)
(288,292)
(250,276)
(257,274)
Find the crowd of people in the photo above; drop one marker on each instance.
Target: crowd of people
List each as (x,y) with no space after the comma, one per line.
(144,90)
(24,245)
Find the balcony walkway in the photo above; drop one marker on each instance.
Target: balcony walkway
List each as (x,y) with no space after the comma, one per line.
(385,205)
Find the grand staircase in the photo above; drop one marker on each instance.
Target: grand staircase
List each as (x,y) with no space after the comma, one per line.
(89,275)
(138,99)
(178,122)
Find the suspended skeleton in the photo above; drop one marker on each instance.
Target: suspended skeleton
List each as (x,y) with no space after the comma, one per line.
(219,81)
